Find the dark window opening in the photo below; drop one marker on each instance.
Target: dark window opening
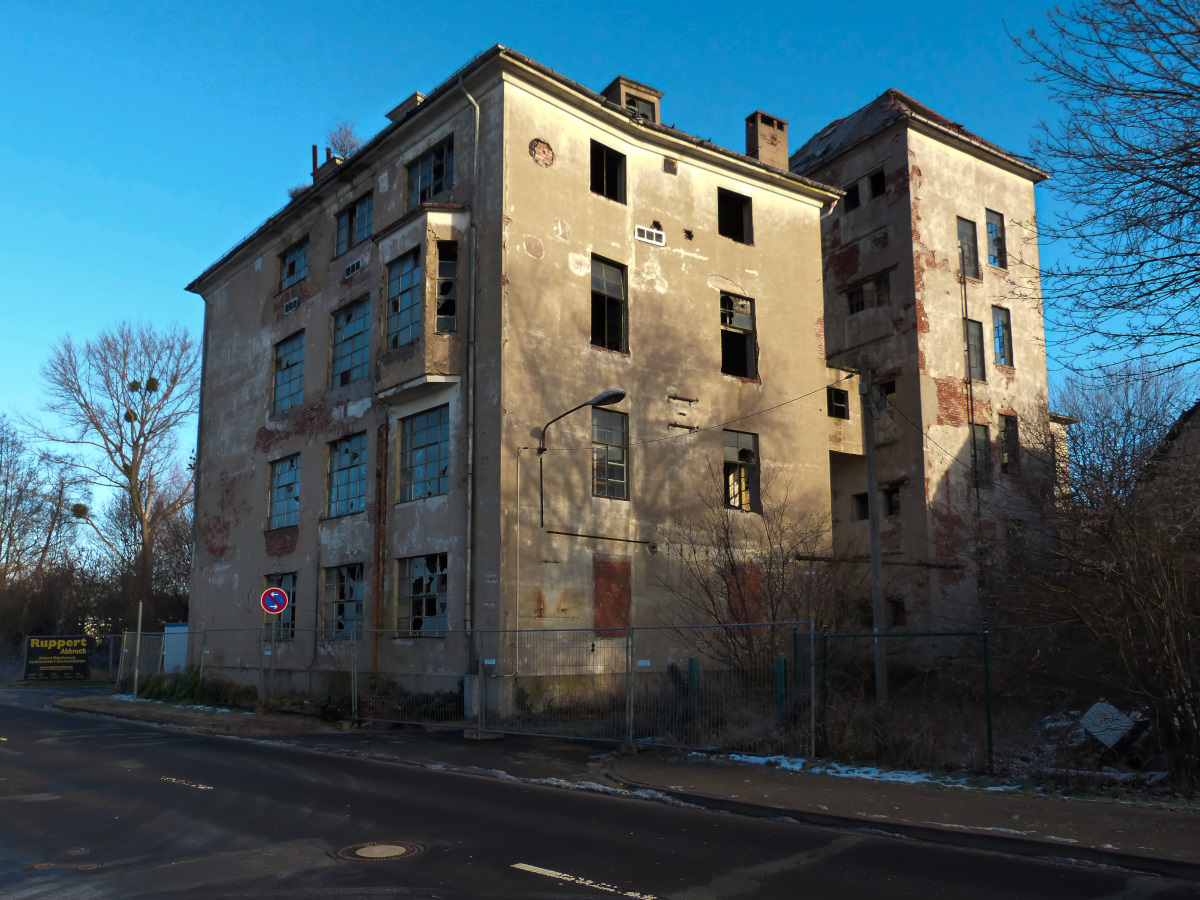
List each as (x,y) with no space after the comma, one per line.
(968,249)
(431,174)
(855,301)
(447,286)
(883,290)
(878,185)
(975,366)
(891,501)
(860,508)
(608,172)
(734,216)
(997,249)
(981,452)
(897,612)
(837,403)
(640,106)
(737,336)
(887,394)
(1010,444)
(852,200)
(608,305)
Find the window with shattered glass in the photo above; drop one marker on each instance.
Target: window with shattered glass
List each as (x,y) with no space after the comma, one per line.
(421,602)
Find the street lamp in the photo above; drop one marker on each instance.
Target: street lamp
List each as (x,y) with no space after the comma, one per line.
(607,397)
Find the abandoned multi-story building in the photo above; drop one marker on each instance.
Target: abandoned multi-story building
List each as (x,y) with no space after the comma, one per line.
(930,275)
(384,354)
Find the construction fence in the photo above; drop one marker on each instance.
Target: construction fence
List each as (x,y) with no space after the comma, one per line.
(766,688)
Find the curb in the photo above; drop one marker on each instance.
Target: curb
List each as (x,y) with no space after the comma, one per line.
(973,840)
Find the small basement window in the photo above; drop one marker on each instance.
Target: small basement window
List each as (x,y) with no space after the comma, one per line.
(734,216)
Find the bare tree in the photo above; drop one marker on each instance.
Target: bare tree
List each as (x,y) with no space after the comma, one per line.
(726,567)
(1126,74)
(342,139)
(118,404)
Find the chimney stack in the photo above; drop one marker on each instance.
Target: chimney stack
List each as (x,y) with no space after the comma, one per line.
(315,163)
(328,154)
(766,139)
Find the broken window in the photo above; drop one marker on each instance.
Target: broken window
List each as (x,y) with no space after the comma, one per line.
(975,366)
(837,403)
(640,106)
(425,454)
(997,250)
(281,626)
(981,455)
(284,493)
(968,249)
(883,290)
(610,454)
(856,300)
(608,305)
(351,332)
(1010,444)
(608,172)
(355,224)
(738,340)
(852,200)
(741,471)
(404,299)
(347,486)
(1002,332)
(288,389)
(887,394)
(891,501)
(447,286)
(860,507)
(878,184)
(343,601)
(431,174)
(421,599)
(734,216)
(293,264)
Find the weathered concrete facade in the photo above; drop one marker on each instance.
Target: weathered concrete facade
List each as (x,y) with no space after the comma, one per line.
(696,241)
(895,291)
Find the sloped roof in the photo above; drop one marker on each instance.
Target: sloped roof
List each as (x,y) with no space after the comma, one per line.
(892,105)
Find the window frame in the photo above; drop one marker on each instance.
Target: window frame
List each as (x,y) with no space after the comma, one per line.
(747,333)
(604,298)
(883,289)
(1002,341)
(446,288)
(742,233)
(405,297)
(607,423)
(348,345)
(296,258)
(997,242)
(348,236)
(1010,444)
(334,622)
(408,487)
(976,361)
(860,507)
(891,502)
(281,626)
(981,448)
(607,166)
(288,374)
(417,192)
(856,300)
(853,198)
(833,402)
(438,596)
(746,470)
(278,487)
(346,476)
(873,183)
(968,262)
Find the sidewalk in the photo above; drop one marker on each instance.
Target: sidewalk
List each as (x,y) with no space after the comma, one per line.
(1149,838)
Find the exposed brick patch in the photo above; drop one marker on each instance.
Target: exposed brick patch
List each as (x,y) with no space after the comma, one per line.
(843,263)
(922,316)
(312,418)
(745,584)
(281,541)
(952,404)
(612,595)
(504,279)
(914,177)
(820,332)
(880,240)
(215,533)
(921,360)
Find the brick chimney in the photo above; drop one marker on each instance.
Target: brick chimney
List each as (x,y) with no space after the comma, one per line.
(766,139)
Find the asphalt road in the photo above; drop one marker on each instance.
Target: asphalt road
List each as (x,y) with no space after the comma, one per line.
(92,807)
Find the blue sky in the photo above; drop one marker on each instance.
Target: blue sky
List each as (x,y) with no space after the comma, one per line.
(141,141)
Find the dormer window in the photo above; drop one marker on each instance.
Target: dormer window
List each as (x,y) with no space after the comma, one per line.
(640,106)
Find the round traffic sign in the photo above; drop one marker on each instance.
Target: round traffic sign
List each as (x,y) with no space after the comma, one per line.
(274,600)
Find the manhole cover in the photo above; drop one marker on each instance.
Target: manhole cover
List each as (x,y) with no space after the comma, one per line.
(87,867)
(43,866)
(379,851)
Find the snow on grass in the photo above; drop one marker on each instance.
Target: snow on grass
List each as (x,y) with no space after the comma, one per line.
(866,773)
(129,699)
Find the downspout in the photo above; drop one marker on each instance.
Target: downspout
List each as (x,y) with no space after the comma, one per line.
(468,618)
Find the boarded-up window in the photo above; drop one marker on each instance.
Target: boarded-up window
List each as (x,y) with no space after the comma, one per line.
(611,595)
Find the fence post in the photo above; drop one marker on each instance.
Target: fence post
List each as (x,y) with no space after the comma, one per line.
(780,687)
(629,685)
(825,692)
(203,653)
(987,700)
(480,718)
(812,691)
(111,645)
(354,672)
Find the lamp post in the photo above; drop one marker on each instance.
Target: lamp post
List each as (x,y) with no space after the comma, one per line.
(607,397)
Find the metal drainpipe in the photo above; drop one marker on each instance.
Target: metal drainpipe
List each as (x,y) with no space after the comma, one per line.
(468,618)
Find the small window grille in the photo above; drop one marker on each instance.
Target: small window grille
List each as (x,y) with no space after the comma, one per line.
(651,236)
(353,267)
(291,306)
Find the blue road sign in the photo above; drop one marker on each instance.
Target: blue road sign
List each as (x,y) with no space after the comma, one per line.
(274,600)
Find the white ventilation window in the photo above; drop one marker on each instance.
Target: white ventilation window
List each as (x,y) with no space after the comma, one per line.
(291,306)
(353,267)
(651,236)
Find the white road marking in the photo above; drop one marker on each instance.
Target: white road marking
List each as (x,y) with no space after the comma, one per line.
(586,882)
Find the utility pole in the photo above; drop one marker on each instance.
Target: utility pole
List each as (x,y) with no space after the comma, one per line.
(866,393)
